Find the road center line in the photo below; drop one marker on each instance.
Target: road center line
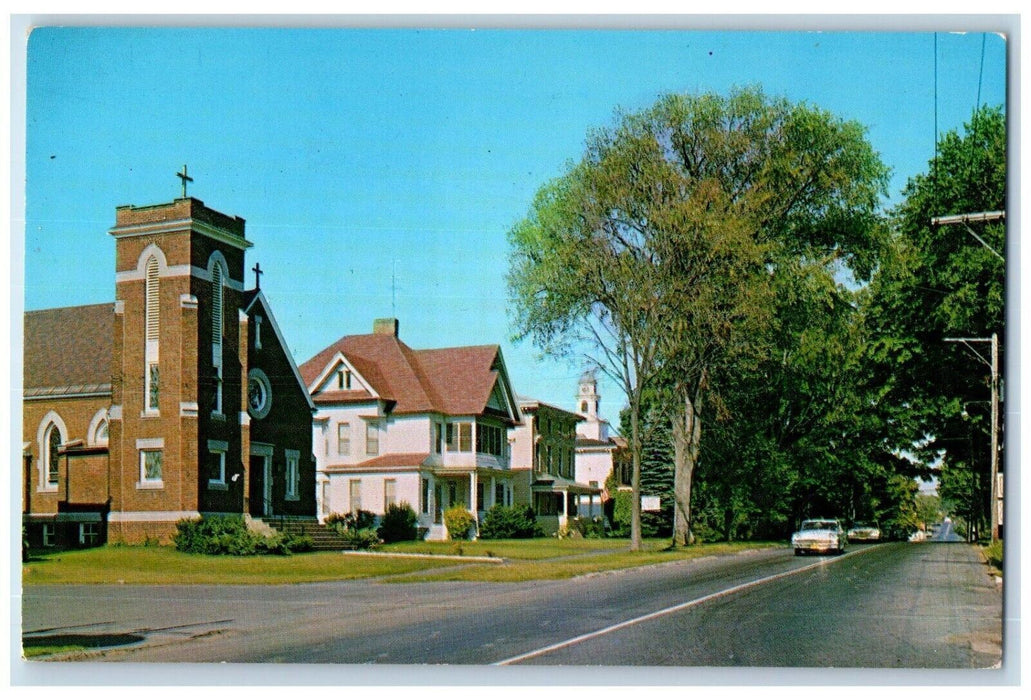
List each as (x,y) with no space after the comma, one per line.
(673,609)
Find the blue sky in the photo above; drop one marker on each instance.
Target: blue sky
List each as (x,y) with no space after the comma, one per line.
(358,156)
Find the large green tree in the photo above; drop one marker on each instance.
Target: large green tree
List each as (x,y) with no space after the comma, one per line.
(943,282)
(658,250)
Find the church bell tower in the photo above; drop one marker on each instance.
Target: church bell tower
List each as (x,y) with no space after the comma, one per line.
(178,366)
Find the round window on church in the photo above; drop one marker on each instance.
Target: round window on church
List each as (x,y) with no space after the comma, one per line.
(259,394)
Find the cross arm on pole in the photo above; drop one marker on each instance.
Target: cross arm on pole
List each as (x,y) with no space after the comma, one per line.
(964,221)
(968,341)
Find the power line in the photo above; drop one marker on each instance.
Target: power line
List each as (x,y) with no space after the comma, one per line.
(934,169)
(980,74)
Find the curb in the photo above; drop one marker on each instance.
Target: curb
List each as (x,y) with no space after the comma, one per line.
(450,557)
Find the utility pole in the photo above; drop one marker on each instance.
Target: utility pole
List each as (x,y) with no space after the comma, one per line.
(996,485)
(996,482)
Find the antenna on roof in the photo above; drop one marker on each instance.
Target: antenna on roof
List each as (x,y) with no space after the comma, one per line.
(393,290)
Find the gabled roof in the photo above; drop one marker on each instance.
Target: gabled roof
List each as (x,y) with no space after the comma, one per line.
(530,405)
(69,350)
(452,381)
(255,296)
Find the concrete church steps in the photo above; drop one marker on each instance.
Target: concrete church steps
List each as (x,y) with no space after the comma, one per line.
(324,538)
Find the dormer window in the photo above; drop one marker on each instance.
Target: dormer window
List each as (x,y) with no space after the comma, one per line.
(344,379)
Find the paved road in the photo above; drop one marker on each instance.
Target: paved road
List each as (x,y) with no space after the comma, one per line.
(892,605)
(946,533)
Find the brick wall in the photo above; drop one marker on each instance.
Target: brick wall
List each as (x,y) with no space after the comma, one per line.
(76,415)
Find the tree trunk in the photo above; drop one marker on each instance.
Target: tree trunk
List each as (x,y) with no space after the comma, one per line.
(687,435)
(635,475)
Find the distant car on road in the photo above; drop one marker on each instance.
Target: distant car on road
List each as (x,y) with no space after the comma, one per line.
(820,535)
(864,532)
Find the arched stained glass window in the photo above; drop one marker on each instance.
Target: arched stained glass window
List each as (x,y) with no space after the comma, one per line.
(53,458)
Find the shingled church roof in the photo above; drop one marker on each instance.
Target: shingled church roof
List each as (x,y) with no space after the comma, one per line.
(68,350)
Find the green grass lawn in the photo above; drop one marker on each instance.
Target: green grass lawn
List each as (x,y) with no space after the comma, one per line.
(525,560)
(516,569)
(541,548)
(166,565)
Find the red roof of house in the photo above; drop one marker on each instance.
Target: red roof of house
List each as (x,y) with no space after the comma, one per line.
(344,396)
(452,381)
(69,350)
(387,461)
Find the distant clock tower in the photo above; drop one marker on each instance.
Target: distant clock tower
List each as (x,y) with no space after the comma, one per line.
(587,398)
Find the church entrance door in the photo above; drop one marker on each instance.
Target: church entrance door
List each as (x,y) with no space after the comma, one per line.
(261,472)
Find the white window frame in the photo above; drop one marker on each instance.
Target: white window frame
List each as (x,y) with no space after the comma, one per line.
(43,446)
(324,500)
(389,493)
(354,486)
(293,475)
(372,437)
(453,440)
(100,425)
(52,455)
(344,443)
(90,531)
(49,534)
(147,446)
(218,449)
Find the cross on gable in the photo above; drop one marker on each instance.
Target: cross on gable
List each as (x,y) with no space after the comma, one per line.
(185,178)
(257,275)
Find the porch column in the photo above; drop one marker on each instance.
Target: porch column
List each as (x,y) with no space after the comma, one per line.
(474,506)
(493,493)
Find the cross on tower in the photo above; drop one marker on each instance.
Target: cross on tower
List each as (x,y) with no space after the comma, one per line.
(185,178)
(257,275)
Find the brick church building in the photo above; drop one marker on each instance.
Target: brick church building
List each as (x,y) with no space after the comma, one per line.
(179,399)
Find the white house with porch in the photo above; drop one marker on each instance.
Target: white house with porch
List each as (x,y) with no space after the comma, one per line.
(426,427)
(544,461)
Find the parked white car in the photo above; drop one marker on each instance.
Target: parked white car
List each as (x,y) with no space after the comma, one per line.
(820,535)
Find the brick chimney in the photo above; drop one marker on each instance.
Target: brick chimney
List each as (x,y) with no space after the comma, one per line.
(385,326)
